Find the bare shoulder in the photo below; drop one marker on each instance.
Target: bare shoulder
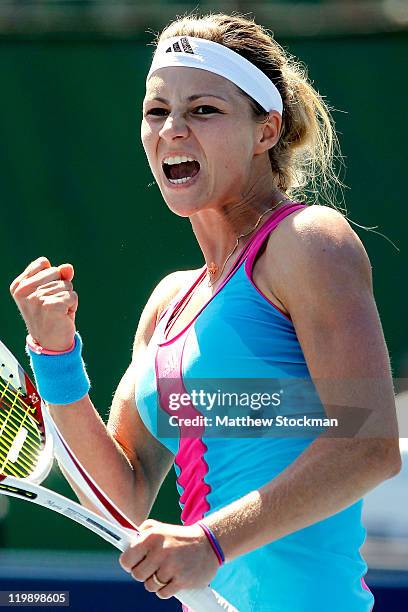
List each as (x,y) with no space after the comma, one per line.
(160,297)
(314,247)
(317,225)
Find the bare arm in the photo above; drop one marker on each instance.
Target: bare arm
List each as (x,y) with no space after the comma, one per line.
(325,284)
(125,460)
(134,463)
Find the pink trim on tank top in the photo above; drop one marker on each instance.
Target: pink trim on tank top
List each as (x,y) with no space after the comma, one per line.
(191,452)
(180,307)
(366,588)
(256,245)
(277,216)
(165,340)
(173,307)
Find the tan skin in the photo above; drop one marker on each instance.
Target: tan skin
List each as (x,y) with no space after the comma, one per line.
(314,267)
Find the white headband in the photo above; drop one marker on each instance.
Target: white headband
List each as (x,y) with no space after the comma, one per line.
(211,56)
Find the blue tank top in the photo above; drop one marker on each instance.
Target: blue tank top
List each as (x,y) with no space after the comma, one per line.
(236,337)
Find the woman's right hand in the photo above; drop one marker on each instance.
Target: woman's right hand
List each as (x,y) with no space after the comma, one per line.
(45,296)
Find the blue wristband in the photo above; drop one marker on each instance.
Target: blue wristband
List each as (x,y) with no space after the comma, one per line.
(61,379)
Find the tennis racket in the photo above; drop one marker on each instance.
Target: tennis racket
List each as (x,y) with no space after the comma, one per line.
(29,441)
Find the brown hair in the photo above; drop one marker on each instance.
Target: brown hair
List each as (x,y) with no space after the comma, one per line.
(303,159)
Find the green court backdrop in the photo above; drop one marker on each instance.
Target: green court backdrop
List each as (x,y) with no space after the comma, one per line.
(75,186)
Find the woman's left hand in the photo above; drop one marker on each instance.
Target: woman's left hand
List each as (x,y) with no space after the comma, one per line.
(178,556)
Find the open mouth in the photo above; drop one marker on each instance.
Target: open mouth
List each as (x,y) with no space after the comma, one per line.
(182,172)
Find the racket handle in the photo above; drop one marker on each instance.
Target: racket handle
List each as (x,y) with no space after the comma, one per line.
(198,600)
(204,600)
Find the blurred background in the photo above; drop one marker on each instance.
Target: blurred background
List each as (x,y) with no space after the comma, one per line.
(75,186)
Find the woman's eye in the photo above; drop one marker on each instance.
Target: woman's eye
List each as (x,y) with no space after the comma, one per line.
(204,109)
(158,112)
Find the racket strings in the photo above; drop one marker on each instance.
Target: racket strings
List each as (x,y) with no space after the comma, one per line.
(21,441)
(12,470)
(24,463)
(7,386)
(22,469)
(16,418)
(12,424)
(28,451)
(16,458)
(27,456)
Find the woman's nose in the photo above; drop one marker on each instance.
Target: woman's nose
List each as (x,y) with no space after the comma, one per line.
(174,127)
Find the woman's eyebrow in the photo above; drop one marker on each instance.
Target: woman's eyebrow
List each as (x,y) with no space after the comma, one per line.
(190,98)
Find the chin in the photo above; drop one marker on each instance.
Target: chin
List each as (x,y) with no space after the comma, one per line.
(180,203)
(181,209)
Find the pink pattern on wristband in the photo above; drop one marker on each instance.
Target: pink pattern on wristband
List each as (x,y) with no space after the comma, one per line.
(40,350)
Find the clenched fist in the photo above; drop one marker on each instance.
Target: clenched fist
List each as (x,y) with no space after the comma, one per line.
(45,297)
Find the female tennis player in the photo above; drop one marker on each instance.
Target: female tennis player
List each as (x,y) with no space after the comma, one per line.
(232,129)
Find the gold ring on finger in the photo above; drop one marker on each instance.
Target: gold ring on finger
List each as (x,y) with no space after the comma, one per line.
(158,582)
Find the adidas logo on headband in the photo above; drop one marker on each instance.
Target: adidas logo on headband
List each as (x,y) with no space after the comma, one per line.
(176,47)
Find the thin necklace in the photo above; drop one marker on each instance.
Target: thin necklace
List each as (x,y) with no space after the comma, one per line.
(212,269)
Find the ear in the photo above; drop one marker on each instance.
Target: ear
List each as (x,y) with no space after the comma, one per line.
(268,133)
